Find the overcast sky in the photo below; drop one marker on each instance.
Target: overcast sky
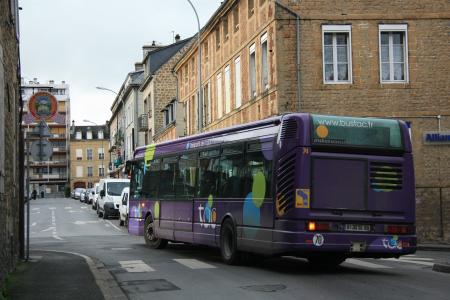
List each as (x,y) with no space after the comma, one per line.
(91,43)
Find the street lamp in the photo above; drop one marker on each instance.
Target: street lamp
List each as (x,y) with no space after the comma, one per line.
(103,149)
(200,99)
(105,89)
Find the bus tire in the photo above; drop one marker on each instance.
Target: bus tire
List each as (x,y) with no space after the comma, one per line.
(151,239)
(228,243)
(326,260)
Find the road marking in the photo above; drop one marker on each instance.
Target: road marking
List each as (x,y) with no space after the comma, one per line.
(417,258)
(422,263)
(35,213)
(366,264)
(85,222)
(34,224)
(120,249)
(68,207)
(48,229)
(54,234)
(36,208)
(74,211)
(83,207)
(52,208)
(115,227)
(194,263)
(135,266)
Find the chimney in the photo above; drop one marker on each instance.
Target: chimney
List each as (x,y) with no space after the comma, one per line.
(51,82)
(177,38)
(138,66)
(150,48)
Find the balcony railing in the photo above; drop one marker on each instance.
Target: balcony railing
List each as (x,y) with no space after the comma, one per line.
(143,122)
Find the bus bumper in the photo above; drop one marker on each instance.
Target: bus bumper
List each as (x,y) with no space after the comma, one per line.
(136,226)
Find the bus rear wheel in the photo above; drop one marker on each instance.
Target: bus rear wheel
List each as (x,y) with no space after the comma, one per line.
(228,243)
(150,237)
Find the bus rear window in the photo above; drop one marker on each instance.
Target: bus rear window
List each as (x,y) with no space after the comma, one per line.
(356,132)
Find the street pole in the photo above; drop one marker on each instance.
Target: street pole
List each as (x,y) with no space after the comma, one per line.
(199,98)
(28,196)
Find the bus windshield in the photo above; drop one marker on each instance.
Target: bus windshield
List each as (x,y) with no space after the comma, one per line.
(356,132)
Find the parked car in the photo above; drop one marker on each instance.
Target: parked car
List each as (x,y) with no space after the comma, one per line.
(96,192)
(82,195)
(72,194)
(124,207)
(91,196)
(109,196)
(86,196)
(77,194)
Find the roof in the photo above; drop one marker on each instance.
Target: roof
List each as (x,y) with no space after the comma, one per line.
(85,129)
(160,56)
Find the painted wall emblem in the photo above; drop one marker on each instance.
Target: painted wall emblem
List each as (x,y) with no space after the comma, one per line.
(43,105)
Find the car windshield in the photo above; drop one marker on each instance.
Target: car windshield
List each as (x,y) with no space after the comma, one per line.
(115,188)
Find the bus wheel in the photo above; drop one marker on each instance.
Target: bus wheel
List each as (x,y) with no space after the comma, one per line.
(149,235)
(326,260)
(228,243)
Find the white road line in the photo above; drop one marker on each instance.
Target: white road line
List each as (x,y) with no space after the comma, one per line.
(115,227)
(48,229)
(67,207)
(34,224)
(54,234)
(83,207)
(417,258)
(135,266)
(52,208)
(194,263)
(366,264)
(422,263)
(120,249)
(86,222)
(36,208)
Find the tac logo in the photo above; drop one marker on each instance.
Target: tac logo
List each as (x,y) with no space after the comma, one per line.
(322,131)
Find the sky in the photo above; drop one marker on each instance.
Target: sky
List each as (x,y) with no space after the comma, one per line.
(90,43)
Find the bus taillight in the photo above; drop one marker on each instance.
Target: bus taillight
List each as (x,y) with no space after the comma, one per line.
(398,229)
(318,226)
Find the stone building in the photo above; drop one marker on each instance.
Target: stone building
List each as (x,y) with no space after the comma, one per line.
(360,58)
(11,174)
(52,176)
(162,118)
(88,161)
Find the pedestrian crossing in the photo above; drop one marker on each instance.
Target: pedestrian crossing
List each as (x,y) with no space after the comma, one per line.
(139,266)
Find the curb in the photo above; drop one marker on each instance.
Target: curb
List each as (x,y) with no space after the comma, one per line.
(434,247)
(105,281)
(442,267)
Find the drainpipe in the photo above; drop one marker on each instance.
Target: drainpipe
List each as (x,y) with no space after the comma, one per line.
(297,18)
(176,111)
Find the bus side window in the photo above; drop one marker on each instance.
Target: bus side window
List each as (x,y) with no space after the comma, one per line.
(258,165)
(167,175)
(232,176)
(137,177)
(186,179)
(208,174)
(151,180)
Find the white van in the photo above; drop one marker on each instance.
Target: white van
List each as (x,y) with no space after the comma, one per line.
(95,197)
(124,206)
(108,200)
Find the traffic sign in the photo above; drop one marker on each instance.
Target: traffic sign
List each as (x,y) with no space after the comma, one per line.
(41,150)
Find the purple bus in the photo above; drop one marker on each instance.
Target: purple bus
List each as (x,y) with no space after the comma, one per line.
(325,188)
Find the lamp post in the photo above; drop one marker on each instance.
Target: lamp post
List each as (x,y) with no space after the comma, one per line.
(105,89)
(103,149)
(200,94)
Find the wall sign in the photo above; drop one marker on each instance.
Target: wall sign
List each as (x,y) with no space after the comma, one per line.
(436,138)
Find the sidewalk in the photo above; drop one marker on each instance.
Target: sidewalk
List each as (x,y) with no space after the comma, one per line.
(433,247)
(54,275)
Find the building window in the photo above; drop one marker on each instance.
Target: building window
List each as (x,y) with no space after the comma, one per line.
(393,53)
(78,135)
(79,172)
(79,154)
(227,90)
(207,101)
(89,135)
(236,18)
(89,153)
(169,113)
(337,64)
(225,28)
(219,96)
(193,67)
(264,62)
(217,38)
(100,135)
(89,172)
(90,185)
(237,82)
(101,153)
(101,171)
(251,8)
(252,71)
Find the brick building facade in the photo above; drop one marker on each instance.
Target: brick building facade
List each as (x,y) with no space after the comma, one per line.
(361,58)
(11,178)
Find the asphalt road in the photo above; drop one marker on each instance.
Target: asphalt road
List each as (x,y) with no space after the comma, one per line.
(191,272)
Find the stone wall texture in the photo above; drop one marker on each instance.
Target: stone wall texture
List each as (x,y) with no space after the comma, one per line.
(10,136)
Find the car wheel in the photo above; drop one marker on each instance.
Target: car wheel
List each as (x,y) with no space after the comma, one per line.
(150,237)
(228,243)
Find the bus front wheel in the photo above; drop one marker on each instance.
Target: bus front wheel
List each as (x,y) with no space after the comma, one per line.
(150,237)
(228,243)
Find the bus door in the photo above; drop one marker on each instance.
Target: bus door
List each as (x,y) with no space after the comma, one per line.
(185,184)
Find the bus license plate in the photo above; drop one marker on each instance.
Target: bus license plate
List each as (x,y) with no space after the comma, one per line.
(357,227)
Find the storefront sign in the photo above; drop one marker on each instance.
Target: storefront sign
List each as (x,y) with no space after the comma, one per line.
(436,138)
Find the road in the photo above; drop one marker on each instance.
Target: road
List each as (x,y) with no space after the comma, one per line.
(190,272)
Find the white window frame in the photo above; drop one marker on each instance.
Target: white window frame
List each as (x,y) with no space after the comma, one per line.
(79,172)
(237,82)
(219,96)
(252,51)
(89,135)
(265,86)
(393,28)
(101,151)
(78,135)
(337,29)
(100,135)
(87,154)
(227,73)
(207,92)
(79,154)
